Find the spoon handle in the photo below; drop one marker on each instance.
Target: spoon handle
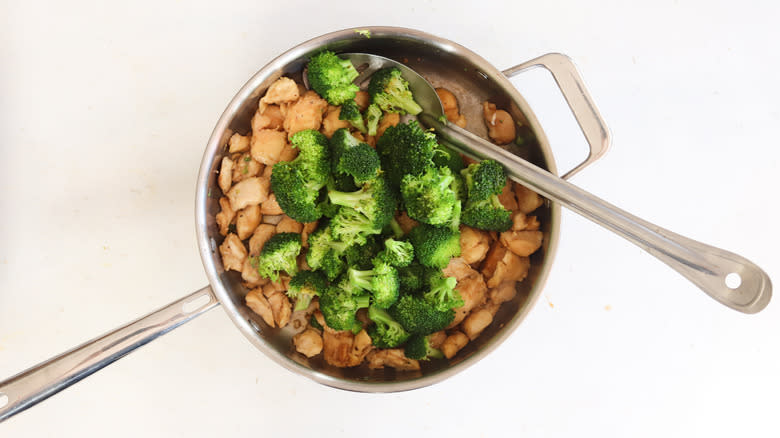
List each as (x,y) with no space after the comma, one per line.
(727,277)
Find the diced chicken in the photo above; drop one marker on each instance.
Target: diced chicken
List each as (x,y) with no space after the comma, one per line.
(259,304)
(288,153)
(361,345)
(507,197)
(270,118)
(281,308)
(473,291)
(250,275)
(453,344)
(246,167)
(267,172)
(271,206)
(435,339)
(262,233)
(504,265)
(247,220)
(225,217)
(393,358)
(450,105)
(477,320)
(343,349)
(283,90)
(238,143)
(474,244)
(532,223)
(501,127)
(527,199)
(518,220)
(459,269)
(233,253)
(506,291)
(251,191)
(225,174)
(308,228)
(288,225)
(387,120)
(362,99)
(267,145)
(491,308)
(522,243)
(331,122)
(272,219)
(306,113)
(405,222)
(308,342)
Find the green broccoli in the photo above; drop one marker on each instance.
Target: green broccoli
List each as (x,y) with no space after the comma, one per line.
(419,316)
(372,114)
(382,282)
(297,183)
(488,214)
(361,256)
(339,306)
(429,197)
(325,252)
(397,253)
(314,156)
(446,157)
(351,113)
(412,277)
(360,162)
(279,254)
(484,179)
(352,227)
(435,246)
(419,347)
(405,149)
(394,228)
(390,91)
(441,292)
(331,77)
(374,200)
(385,332)
(304,286)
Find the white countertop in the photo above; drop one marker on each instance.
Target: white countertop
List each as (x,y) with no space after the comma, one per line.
(106,109)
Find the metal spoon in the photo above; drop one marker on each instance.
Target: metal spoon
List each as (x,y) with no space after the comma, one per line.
(727,277)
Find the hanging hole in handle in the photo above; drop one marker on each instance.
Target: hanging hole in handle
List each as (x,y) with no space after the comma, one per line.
(196,304)
(3,400)
(733,280)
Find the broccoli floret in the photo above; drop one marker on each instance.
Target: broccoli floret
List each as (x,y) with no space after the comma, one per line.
(419,347)
(374,200)
(419,316)
(304,286)
(351,113)
(397,253)
(314,157)
(441,292)
(429,197)
(361,256)
(412,277)
(382,282)
(372,114)
(278,254)
(386,332)
(325,252)
(390,91)
(331,77)
(360,162)
(435,246)
(352,227)
(297,183)
(405,149)
(339,306)
(484,179)
(394,228)
(446,157)
(488,214)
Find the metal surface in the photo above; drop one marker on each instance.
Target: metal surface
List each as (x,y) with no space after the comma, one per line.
(706,266)
(52,376)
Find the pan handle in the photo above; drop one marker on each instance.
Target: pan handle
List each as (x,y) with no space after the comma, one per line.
(40,382)
(573,89)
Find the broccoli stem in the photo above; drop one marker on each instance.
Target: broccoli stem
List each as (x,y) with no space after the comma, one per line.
(348,199)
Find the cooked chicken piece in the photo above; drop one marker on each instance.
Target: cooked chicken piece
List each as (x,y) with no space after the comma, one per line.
(501,127)
(272,219)
(405,222)
(271,206)
(362,99)
(474,244)
(369,140)
(225,217)
(267,172)
(238,143)
(474,293)
(320,319)
(280,285)
(245,167)
(393,358)
(267,146)
(459,269)
(259,304)
(251,191)
(308,342)
(262,233)
(387,120)
(454,343)
(504,265)
(518,220)
(283,90)
(450,105)
(343,349)
(494,255)
(225,174)
(289,153)
(532,223)
(437,338)
(527,200)
(361,345)
(477,320)
(247,220)
(270,118)
(522,243)
(288,225)
(308,228)
(507,197)
(281,307)
(331,121)
(250,275)
(233,253)
(306,113)
(506,291)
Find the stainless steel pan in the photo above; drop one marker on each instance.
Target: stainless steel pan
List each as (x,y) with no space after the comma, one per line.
(445,64)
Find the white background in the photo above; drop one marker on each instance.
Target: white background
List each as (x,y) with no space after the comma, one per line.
(104,113)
